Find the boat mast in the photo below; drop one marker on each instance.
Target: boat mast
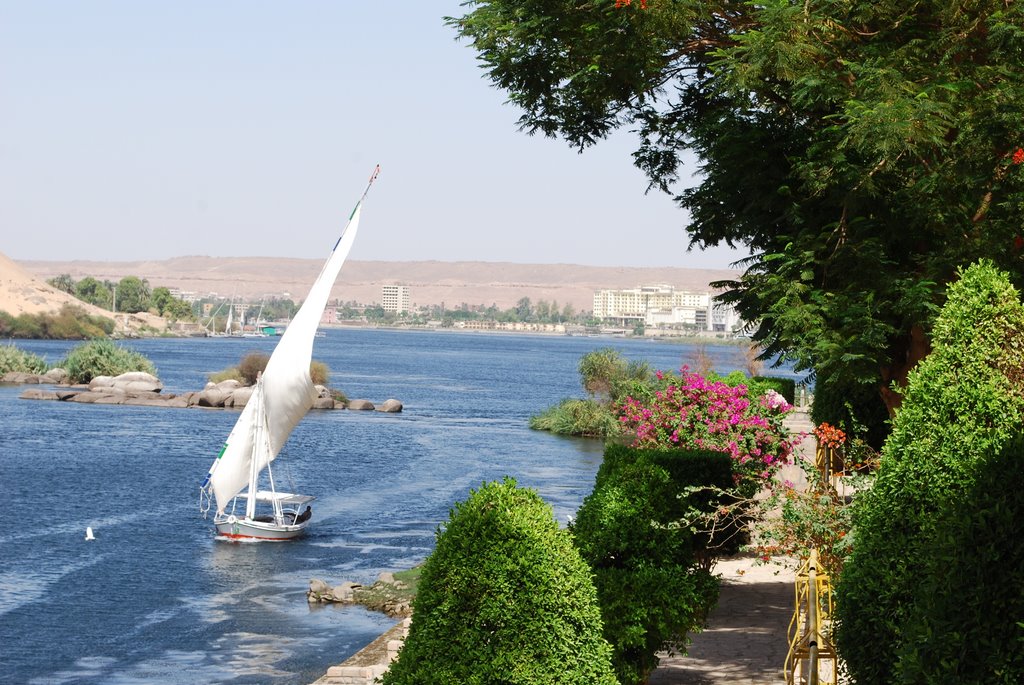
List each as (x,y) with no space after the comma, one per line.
(258,440)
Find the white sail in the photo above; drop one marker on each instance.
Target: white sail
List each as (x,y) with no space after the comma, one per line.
(285,390)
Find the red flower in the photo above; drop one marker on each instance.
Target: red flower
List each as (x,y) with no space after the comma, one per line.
(1018,156)
(622,3)
(830,436)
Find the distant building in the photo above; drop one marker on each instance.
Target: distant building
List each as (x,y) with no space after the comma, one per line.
(394,298)
(662,306)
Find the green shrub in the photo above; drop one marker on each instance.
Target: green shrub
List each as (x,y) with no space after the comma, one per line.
(319,372)
(786,387)
(607,375)
(855,408)
(229,374)
(18,360)
(504,598)
(652,584)
(251,366)
(965,625)
(963,402)
(578,417)
(255,363)
(102,358)
(70,323)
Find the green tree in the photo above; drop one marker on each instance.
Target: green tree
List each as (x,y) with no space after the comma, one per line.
(963,403)
(63,282)
(160,299)
(860,150)
(94,292)
(132,294)
(524,309)
(504,598)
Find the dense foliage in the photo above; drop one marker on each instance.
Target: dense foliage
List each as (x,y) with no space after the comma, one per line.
(18,360)
(651,573)
(504,598)
(606,377)
(963,403)
(70,323)
(255,363)
(131,294)
(102,358)
(861,150)
(588,418)
(965,626)
(853,408)
(691,412)
(606,374)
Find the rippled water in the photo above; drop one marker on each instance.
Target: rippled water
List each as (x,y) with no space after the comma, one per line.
(156,599)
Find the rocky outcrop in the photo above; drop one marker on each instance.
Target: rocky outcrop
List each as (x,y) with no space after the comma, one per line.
(138,388)
(360,405)
(390,406)
(386,595)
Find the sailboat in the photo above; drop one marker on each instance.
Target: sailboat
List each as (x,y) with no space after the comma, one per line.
(282,395)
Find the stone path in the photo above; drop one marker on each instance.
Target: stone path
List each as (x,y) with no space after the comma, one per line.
(746,639)
(745,642)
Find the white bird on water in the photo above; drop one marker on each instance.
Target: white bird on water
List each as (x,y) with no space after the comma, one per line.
(88,533)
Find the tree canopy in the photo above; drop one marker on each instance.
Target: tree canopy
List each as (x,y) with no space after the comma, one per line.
(861,150)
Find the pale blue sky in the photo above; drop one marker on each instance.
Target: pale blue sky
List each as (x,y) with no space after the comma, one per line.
(146,130)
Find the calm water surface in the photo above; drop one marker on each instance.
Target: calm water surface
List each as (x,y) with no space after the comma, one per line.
(156,599)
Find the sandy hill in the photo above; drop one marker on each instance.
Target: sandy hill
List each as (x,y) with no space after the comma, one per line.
(452,283)
(22,292)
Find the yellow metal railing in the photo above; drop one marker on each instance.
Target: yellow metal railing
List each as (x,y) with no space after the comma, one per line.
(812,658)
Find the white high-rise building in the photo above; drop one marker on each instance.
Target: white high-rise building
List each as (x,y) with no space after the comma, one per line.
(394,298)
(663,305)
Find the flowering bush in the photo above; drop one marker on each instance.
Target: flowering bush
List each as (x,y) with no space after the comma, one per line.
(689,411)
(802,520)
(829,436)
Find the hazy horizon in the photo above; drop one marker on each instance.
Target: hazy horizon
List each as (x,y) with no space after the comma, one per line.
(139,131)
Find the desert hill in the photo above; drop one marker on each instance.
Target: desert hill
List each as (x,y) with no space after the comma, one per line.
(22,292)
(430,282)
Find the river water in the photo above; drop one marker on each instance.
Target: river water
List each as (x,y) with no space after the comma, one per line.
(156,599)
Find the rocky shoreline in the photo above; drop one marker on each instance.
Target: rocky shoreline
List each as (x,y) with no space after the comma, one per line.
(390,595)
(143,389)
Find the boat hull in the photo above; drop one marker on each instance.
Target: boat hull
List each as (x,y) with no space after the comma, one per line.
(233,528)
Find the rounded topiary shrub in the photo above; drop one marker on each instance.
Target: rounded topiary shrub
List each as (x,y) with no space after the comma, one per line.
(652,586)
(962,403)
(504,598)
(967,621)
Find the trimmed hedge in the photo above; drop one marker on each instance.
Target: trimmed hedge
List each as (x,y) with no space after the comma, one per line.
(962,403)
(504,598)
(651,585)
(784,386)
(967,621)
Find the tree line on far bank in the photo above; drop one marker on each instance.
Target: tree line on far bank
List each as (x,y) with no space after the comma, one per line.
(129,295)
